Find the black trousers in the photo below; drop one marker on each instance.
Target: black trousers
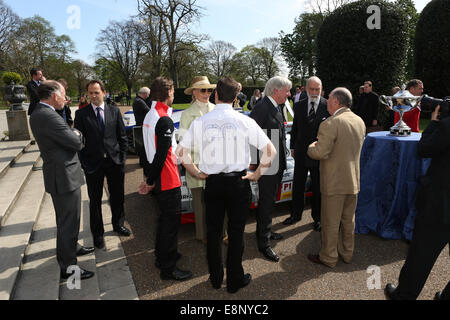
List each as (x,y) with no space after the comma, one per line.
(233,195)
(68,209)
(166,247)
(429,239)
(115,176)
(268,187)
(298,191)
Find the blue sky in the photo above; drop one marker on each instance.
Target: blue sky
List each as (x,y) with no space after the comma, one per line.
(241,22)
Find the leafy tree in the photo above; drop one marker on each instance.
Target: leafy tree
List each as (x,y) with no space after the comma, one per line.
(299,48)
(269,51)
(106,71)
(248,64)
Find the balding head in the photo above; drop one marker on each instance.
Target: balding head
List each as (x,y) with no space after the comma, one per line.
(339,98)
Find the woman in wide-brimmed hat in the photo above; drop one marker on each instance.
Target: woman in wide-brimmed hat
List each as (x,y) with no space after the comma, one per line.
(201,90)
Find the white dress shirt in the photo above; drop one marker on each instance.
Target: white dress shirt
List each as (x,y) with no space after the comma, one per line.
(222,138)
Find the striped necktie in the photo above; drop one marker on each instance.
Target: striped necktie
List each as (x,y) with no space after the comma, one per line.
(312,113)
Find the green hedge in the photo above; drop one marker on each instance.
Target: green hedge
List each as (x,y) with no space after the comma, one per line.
(432,48)
(349,53)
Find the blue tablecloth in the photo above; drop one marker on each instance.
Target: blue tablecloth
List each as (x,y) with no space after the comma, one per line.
(390,170)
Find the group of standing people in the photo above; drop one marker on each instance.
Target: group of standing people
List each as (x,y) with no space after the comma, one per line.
(94,149)
(216,146)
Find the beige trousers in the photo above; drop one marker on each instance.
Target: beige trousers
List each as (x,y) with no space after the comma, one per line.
(338,228)
(198,197)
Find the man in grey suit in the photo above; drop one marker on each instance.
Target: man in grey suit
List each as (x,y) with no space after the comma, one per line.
(63,177)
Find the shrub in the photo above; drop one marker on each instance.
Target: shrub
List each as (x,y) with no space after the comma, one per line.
(432,48)
(349,53)
(8,77)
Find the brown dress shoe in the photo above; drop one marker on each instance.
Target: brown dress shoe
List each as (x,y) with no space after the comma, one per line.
(316,259)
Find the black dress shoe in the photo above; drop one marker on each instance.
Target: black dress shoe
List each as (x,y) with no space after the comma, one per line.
(84,251)
(247,279)
(177,274)
(389,291)
(99,243)
(121,230)
(158,264)
(270,254)
(291,220)
(84,274)
(317,226)
(217,283)
(276,236)
(437,296)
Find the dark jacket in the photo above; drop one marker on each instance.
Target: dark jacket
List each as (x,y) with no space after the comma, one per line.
(367,107)
(304,133)
(140,109)
(433,197)
(59,146)
(112,142)
(268,118)
(32,88)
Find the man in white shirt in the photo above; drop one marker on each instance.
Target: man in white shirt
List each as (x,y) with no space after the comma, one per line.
(223,138)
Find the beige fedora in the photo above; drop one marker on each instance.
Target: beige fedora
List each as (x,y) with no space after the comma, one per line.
(200,82)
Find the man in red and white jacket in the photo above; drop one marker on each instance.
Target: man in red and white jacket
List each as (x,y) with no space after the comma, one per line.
(163,178)
(412,117)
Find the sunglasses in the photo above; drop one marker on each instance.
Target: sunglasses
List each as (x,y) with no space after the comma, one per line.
(206,90)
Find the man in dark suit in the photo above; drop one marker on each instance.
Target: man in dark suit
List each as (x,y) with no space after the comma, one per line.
(432,225)
(308,115)
(140,109)
(62,172)
(104,155)
(268,115)
(32,86)
(367,107)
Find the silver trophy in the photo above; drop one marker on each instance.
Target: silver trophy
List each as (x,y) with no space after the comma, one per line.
(402,102)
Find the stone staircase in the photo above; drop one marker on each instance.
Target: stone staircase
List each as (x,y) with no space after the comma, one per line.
(28,266)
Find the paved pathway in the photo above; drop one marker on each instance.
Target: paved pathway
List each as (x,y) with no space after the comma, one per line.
(293,278)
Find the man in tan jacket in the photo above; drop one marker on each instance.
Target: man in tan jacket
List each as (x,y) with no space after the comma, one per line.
(338,148)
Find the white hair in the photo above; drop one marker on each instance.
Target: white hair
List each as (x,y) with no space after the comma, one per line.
(144,90)
(277,83)
(315,79)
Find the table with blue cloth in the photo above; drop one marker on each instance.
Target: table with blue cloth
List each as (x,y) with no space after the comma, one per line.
(390,171)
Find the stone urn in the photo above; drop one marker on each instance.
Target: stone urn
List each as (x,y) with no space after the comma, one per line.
(15,95)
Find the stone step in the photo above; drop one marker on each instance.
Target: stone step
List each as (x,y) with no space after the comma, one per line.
(89,289)
(10,151)
(115,279)
(14,179)
(39,275)
(16,232)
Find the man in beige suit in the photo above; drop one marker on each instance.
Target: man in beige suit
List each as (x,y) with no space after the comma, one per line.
(338,148)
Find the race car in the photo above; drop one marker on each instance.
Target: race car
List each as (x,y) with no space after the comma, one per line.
(284,192)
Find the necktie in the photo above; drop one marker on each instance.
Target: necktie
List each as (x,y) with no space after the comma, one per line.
(312,113)
(100,119)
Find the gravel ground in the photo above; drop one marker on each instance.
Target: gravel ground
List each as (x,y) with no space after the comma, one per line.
(293,278)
